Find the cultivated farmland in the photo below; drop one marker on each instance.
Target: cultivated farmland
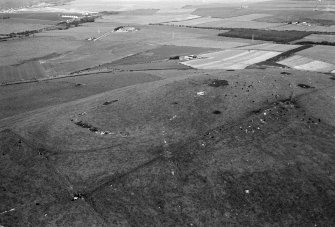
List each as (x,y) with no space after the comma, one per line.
(323,53)
(231,59)
(205,43)
(318,38)
(194,22)
(308,64)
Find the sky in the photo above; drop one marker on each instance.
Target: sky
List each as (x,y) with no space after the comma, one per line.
(101,5)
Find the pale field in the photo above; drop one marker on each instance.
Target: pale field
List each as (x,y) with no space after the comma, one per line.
(145,20)
(200,42)
(308,64)
(288,5)
(317,66)
(319,38)
(292,27)
(270,47)
(248,17)
(175,11)
(195,22)
(226,23)
(295,60)
(231,59)
(319,52)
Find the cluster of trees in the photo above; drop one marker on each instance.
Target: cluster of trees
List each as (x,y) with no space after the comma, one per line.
(20,34)
(75,23)
(4,17)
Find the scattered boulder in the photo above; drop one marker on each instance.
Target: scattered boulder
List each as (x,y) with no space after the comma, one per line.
(125,29)
(305,86)
(218,83)
(109,102)
(174,58)
(79,85)
(285,73)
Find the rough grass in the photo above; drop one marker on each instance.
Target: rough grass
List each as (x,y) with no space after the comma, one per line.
(32,191)
(266,35)
(27,71)
(271,166)
(17,99)
(197,186)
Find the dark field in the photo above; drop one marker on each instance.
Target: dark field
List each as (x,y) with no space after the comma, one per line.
(27,97)
(266,35)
